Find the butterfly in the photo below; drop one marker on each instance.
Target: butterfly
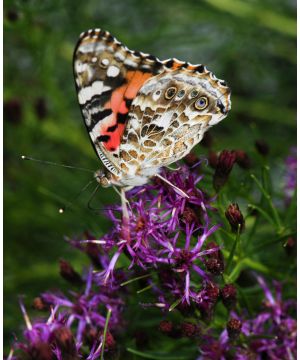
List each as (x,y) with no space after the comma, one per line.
(142,113)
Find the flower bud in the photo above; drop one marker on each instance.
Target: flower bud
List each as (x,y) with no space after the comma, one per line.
(242,159)
(189,330)
(262,147)
(65,342)
(209,297)
(68,273)
(40,304)
(234,327)
(110,342)
(13,111)
(235,218)
(212,292)
(189,216)
(228,295)
(140,224)
(166,327)
(40,350)
(214,261)
(224,166)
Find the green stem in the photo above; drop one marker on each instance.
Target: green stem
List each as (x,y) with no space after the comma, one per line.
(247,262)
(145,289)
(269,200)
(135,279)
(176,303)
(104,333)
(263,213)
(233,249)
(154,356)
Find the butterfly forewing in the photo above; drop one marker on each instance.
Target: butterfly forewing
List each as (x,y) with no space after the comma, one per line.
(108,77)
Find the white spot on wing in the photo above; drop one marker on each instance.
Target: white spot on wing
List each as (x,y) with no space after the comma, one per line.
(130,63)
(105,62)
(85,94)
(119,56)
(113,71)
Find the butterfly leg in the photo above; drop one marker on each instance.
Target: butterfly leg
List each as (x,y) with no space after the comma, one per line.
(125,215)
(176,189)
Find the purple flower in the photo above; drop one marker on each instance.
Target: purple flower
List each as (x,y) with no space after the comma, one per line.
(88,309)
(165,229)
(271,334)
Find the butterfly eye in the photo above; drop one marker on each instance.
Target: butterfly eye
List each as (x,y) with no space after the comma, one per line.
(170,92)
(201,103)
(194,93)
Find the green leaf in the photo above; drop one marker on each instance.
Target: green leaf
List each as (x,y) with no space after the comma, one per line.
(156,356)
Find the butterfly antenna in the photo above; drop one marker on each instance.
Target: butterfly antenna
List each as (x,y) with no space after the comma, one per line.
(179,191)
(92,197)
(23,157)
(70,203)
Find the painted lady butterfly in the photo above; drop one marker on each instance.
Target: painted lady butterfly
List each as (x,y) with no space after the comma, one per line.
(142,113)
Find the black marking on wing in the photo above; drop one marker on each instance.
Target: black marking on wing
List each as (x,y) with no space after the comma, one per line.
(221,106)
(100,115)
(169,63)
(199,68)
(112,128)
(128,102)
(103,138)
(121,118)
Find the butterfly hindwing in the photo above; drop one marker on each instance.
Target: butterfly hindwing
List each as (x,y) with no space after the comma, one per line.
(164,123)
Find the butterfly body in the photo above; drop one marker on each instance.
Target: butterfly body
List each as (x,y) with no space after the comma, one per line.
(142,113)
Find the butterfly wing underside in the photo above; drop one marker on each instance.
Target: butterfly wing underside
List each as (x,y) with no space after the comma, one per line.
(134,127)
(108,76)
(162,129)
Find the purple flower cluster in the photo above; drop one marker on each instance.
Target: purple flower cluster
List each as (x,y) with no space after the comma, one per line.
(165,231)
(271,334)
(76,323)
(167,242)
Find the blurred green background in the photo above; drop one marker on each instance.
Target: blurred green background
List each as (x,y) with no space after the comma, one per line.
(250,44)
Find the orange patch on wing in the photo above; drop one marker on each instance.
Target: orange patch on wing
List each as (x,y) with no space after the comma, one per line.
(123,108)
(191,67)
(136,83)
(135,80)
(176,65)
(117,98)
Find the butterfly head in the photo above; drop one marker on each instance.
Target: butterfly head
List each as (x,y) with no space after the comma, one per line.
(104,178)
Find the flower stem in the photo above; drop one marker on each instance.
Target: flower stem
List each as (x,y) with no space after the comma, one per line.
(104,333)
(269,200)
(233,249)
(135,279)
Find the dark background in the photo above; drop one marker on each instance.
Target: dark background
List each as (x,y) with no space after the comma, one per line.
(250,44)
